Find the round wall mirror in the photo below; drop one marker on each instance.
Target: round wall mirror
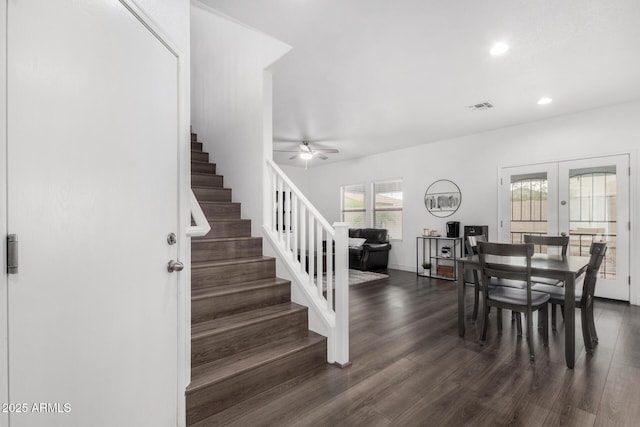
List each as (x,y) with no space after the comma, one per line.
(442,198)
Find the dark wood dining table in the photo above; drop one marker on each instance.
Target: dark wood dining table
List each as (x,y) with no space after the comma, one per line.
(557,267)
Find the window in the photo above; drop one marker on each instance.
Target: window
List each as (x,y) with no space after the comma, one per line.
(387,208)
(354,210)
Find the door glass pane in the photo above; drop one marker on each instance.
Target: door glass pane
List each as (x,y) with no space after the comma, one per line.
(592,213)
(529,209)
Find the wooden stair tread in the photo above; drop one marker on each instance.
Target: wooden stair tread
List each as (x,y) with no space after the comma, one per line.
(203,293)
(218,370)
(240,320)
(224,239)
(208,187)
(207,264)
(201,162)
(210,202)
(203,174)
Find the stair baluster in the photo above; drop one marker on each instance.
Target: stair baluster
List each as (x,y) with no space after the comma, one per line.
(311,248)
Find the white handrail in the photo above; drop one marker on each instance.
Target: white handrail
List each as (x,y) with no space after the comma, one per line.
(306,242)
(295,190)
(202,226)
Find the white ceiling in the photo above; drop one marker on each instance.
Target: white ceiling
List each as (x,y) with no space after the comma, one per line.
(377,75)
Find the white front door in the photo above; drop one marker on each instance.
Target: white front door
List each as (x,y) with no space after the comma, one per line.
(92,177)
(586,199)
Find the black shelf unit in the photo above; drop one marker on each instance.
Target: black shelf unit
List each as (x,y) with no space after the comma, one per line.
(431,246)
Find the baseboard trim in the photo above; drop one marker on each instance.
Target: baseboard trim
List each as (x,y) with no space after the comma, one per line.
(402,267)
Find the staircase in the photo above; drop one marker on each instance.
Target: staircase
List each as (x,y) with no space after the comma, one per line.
(246,334)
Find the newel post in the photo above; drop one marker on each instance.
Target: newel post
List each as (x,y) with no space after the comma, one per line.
(341,342)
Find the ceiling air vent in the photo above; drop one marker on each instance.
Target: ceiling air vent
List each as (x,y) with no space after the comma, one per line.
(481,106)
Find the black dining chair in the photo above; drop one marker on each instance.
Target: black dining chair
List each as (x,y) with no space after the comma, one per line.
(561,242)
(472,248)
(495,261)
(585,290)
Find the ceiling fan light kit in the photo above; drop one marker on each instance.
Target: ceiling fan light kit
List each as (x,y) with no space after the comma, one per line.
(306,152)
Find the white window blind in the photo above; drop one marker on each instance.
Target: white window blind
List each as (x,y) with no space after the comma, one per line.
(387,210)
(353,205)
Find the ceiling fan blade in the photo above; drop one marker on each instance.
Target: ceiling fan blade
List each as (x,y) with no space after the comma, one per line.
(305,148)
(286,151)
(286,140)
(320,155)
(293,157)
(326,150)
(314,140)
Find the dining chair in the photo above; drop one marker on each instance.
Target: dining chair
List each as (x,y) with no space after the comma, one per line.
(497,261)
(472,248)
(561,242)
(585,290)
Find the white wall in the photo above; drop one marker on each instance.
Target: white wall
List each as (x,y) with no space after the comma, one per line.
(227,108)
(472,162)
(299,176)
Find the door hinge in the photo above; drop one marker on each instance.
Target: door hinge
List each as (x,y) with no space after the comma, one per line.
(500,223)
(12,254)
(629,170)
(629,280)
(629,224)
(500,181)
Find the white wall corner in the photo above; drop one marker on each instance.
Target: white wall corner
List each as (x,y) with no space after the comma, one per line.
(231,101)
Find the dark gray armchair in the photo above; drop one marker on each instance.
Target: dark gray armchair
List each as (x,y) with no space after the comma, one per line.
(374,253)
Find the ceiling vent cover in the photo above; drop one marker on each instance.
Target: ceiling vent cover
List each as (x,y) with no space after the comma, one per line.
(481,106)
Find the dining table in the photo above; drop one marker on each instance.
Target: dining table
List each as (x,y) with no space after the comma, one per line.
(564,268)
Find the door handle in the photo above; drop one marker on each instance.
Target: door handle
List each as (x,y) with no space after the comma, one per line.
(174,266)
(563,234)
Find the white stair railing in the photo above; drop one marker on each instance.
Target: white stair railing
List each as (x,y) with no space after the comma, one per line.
(201,227)
(315,254)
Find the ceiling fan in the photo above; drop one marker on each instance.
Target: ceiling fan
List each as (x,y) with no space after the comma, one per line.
(306,152)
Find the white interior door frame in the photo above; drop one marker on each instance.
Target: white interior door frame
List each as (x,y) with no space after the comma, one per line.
(634,209)
(184,253)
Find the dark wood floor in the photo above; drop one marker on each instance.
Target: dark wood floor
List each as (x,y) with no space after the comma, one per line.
(411,368)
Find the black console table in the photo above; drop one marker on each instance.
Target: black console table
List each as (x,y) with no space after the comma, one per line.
(442,266)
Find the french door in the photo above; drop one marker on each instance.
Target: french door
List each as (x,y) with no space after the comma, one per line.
(587,200)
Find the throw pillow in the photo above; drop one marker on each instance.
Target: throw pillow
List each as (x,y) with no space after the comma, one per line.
(355,242)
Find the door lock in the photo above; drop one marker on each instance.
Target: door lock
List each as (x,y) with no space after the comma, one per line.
(174,266)
(172,239)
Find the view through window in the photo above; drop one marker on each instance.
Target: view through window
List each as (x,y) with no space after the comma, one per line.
(387,210)
(353,205)
(592,214)
(529,206)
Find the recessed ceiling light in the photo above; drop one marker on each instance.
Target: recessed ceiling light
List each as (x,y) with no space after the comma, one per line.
(499,49)
(544,101)
(306,156)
